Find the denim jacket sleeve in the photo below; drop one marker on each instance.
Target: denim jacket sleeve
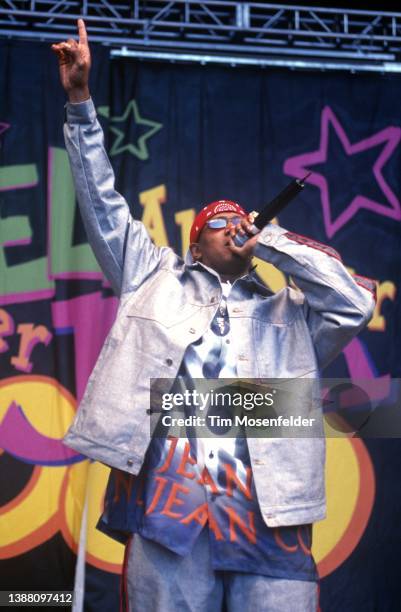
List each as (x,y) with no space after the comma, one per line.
(336,305)
(122,245)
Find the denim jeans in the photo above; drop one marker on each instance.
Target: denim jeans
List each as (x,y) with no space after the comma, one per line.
(158,580)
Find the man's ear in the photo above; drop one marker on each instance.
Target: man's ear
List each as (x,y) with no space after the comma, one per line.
(196,251)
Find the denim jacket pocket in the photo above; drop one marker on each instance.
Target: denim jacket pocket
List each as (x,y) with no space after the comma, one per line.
(165,315)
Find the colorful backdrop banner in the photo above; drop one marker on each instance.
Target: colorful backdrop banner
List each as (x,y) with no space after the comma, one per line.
(180,136)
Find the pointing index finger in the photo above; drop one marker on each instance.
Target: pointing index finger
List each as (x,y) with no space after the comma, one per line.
(83,37)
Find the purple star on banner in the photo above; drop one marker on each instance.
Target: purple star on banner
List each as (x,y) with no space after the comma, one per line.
(299,165)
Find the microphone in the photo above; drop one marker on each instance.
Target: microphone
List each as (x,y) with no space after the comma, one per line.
(273,208)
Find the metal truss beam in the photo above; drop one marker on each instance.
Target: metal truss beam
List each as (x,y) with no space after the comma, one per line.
(226,31)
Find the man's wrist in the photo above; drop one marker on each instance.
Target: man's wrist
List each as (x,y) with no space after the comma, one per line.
(80,112)
(78,95)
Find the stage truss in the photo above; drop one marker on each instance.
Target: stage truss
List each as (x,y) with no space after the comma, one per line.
(218,31)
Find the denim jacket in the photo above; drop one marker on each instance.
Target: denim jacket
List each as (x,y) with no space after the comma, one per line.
(167,303)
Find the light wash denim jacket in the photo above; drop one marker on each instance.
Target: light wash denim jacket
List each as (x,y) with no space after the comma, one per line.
(167,303)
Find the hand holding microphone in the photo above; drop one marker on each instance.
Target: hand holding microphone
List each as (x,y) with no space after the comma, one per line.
(272,209)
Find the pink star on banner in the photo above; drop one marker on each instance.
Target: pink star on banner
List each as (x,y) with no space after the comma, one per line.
(300,164)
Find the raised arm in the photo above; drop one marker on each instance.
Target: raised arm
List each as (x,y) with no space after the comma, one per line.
(121,245)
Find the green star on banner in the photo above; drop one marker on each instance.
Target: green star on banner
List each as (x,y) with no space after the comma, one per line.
(139,149)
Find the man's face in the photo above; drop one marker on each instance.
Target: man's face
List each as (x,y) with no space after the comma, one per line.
(212,249)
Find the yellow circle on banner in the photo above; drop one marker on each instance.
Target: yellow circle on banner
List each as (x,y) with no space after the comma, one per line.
(101,550)
(32,517)
(46,404)
(72,502)
(350,484)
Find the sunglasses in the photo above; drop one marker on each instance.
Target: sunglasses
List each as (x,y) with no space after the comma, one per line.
(222,222)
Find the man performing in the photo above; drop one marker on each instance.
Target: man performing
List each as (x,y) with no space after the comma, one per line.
(217,525)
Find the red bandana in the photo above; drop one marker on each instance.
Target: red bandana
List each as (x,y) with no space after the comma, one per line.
(210,211)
